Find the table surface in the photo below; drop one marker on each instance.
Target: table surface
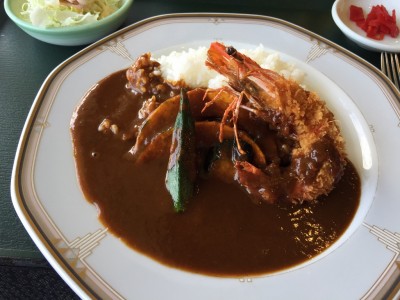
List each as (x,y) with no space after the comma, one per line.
(24,65)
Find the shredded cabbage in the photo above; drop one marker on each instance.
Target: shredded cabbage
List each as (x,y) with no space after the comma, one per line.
(56,13)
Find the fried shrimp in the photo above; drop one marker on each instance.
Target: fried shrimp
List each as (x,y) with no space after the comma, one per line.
(317,156)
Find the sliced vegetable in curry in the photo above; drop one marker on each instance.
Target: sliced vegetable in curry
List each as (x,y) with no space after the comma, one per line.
(181,173)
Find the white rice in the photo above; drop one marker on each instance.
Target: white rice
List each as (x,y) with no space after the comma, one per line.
(189,65)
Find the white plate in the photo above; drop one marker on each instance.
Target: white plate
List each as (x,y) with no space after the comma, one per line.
(341,16)
(362,264)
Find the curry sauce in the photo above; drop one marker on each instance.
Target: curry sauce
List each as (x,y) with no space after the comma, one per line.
(222,232)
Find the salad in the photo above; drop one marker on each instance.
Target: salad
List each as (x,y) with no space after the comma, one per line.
(58,13)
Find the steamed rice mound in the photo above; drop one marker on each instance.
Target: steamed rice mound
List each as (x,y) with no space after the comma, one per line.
(189,65)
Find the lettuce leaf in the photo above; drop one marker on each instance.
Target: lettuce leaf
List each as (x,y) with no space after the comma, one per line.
(55,13)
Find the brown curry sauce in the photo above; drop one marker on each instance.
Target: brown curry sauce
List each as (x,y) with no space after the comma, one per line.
(222,232)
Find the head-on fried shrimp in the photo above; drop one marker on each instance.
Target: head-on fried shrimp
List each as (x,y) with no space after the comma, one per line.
(317,159)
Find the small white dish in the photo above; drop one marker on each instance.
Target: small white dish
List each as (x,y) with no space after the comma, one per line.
(341,16)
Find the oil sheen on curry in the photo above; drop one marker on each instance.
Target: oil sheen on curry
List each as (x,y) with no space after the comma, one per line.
(248,179)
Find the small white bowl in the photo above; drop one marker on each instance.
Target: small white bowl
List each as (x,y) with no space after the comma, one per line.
(68,35)
(341,16)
